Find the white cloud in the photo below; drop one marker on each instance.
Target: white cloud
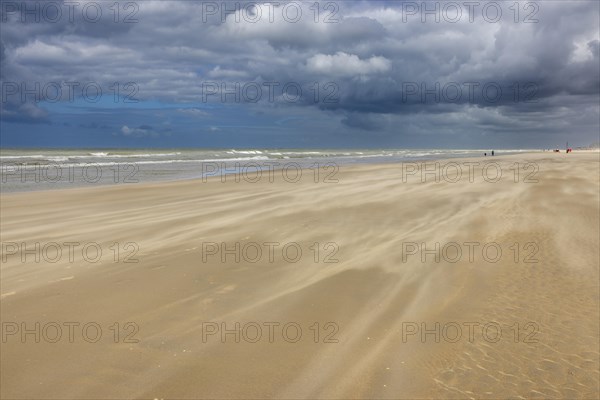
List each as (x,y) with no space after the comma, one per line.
(344,64)
(137,132)
(196,112)
(218,72)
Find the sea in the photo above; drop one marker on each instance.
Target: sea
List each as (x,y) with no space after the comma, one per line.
(47,169)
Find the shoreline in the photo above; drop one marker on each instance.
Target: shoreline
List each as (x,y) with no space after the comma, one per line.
(322,162)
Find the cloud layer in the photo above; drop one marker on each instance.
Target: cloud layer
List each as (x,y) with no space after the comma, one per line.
(358,73)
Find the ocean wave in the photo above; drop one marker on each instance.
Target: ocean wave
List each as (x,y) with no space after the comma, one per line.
(148,162)
(245,152)
(19,157)
(65,158)
(143,155)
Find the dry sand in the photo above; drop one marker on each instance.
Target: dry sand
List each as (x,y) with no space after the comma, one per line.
(371,297)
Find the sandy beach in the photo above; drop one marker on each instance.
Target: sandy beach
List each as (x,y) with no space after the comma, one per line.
(469,278)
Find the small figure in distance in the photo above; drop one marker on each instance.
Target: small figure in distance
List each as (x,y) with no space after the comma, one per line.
(492,153)
(485,154)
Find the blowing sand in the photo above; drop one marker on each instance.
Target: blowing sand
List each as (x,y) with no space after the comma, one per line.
(388,318)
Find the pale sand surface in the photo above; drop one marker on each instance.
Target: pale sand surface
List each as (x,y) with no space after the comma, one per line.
(369,293)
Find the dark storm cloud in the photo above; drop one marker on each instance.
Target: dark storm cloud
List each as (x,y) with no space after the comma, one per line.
(388,67)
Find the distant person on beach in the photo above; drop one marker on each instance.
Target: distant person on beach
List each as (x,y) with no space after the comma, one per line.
(485,154)
(492,152)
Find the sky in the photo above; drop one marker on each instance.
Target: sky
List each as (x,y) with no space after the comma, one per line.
(291,74)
